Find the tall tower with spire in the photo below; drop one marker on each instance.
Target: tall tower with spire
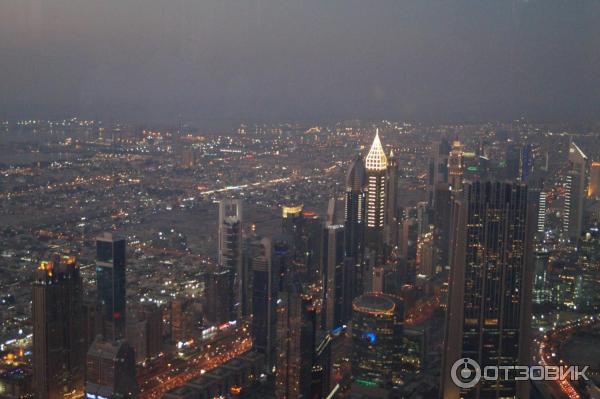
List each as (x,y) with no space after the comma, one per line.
(376,164)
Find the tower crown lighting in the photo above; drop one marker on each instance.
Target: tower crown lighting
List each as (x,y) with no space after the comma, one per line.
(376,159)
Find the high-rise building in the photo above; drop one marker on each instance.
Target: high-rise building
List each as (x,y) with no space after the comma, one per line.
(392,215)
(489,309)
(438,167)
(334,273)
(292,226)
(265,289)
(377,329)
(594,186)
(541,212)
(296,329)
(58,341)
(230,249)
(219,295)
(110,279)
(442,216)
(354,218)
(455,166)
(575,192)
(376,171)
(110,370)
(512,162)
(303,230)
(525,163)
(144,332)
(183,318)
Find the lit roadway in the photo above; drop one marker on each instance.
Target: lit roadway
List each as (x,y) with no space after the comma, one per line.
(181,371)
(422,311)
(548,349)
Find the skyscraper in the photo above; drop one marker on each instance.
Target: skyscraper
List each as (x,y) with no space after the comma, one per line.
(442,216)
(575,192)
(110,279)
(594,186)
(230,249)
(525,163)
(392,216)
(58,341)
(219,295)
(377,328)
(354,218)
(438,167)
(512,162)
(265,288)
(296,329)
(489,309)
(376,172)
(333,276)
(354,211)
(110,370)
(455,166)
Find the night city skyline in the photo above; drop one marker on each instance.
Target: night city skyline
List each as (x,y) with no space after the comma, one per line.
(281,199)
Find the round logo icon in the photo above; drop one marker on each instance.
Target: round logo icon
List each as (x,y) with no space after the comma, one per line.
(465,373)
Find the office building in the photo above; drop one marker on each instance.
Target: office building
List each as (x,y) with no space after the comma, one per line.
(219,295)
(575,189)
(489,310)
(438,167)
(110,370)
(58,341)
(455,166)
(392,214)
(376,171)
(354,217)
(296,332)
(265,289)
(230,250)
(110,280)
(377,329)
(594,186)
(334,273)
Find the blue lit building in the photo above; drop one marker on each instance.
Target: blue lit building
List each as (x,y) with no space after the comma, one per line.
(377,331)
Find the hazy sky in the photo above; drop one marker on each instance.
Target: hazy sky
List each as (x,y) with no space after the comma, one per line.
(214,61)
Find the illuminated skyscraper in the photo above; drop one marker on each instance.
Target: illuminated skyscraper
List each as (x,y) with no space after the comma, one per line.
(594,186)
(296,329)
(58,341)
(376,171)
(230,249)
(377,328)
(489,309)
(110,279)
(354,218)
(541,212)
(455,166)
(575,192)
(292,226)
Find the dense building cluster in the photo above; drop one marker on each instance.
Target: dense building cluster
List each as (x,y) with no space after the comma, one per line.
(359,261)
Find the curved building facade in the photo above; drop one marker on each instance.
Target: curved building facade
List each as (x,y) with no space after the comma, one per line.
(377,328)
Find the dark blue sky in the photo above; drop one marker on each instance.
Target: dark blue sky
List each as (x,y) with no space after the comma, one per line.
(222,61)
